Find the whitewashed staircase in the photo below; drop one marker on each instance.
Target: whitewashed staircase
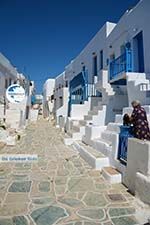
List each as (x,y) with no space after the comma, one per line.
(104,86)
(98,161)
(95,117)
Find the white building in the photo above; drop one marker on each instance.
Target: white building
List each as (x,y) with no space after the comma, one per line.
(48,102)
(14,114)
(61,94)
(103,80)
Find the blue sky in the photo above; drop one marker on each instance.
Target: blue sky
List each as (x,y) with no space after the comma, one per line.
(40,37)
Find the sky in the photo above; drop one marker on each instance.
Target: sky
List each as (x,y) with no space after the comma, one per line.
(41,37)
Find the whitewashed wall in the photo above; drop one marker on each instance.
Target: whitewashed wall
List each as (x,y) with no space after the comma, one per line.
(130,24)
(85,58)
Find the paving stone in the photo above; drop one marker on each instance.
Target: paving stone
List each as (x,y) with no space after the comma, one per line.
(94,173)
(78,223)
(44,186)
(71,202)
(17,198)
(19,220)
(43,201)
(36,175)
(67,224)
(60,180)
(20,177)
(95,199)
(62,173)
(3,185)
(80,184)
(48,215)
(102,186)
(14,209)
(124,221)
(113,212)
(107,223)
(20,186)
(5,221)
(116,197)
(60,189)
(94,214)
(80,195)
(91,223)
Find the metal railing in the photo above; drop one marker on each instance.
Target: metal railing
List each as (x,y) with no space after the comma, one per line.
(121,64)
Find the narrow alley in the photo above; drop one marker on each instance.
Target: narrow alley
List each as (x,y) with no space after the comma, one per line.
(60,187)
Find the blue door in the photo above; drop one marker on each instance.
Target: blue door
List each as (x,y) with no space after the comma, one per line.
(138,39)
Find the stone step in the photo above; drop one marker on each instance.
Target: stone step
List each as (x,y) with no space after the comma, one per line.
(115,127)
(103,146)
(74,122)
(82,122)
(75,135)
(68,141)
(98,107)
(76,128)
(93,112)
(110,92)
(88,117)
(94,158)
(108,135)
(112,175)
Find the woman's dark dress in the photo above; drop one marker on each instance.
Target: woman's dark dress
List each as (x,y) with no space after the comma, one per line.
(140,123)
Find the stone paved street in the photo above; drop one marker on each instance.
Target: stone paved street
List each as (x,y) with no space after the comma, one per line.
(60,188)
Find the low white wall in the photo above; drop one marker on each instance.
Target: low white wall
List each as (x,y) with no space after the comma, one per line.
(138,168)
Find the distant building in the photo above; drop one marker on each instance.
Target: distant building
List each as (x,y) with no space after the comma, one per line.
(14,114)
(48,97)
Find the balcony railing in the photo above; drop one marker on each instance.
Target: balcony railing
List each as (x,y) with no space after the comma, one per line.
(121,64)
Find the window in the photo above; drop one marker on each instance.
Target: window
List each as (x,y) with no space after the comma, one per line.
(95,65)
(101,59)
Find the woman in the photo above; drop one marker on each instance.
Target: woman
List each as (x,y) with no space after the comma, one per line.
(139,121)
